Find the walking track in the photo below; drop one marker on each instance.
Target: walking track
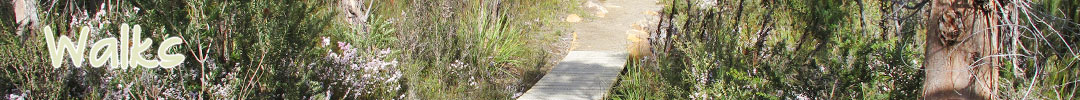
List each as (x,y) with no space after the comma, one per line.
(598,52)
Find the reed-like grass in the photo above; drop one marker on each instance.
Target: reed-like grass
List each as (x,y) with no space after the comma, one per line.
(747,49)
(287,49)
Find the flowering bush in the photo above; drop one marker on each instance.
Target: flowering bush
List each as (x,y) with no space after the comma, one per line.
(362,75)
(294,50)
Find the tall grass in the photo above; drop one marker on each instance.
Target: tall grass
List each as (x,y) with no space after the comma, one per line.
(475,49)
(749,49)
(287,49)
(1042,56)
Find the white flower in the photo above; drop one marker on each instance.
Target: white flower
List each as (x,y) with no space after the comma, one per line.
(355,67)
(383,53)
(707,3)
(16,97)
(801,97)
(341,45)
(457,64)
(393,63)
(325,41)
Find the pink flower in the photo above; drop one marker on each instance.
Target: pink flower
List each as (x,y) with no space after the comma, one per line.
(341,45)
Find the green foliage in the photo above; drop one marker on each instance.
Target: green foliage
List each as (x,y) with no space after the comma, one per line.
(742,49)
(776,49)
(1046,67)
(474,49)
(289,49)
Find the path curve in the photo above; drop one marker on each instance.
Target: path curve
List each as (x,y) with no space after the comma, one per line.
(598,50)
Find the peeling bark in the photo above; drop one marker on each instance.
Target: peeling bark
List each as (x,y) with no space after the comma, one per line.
(25,14)
(960,42)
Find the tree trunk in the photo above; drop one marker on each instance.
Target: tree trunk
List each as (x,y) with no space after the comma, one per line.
(960,42)
(25,14)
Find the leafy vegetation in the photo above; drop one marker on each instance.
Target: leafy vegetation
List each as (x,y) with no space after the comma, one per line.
(863,49)
(296,49)
(496,49)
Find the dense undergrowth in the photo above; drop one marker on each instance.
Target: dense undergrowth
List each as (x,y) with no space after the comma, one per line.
(296,49)
(825,49)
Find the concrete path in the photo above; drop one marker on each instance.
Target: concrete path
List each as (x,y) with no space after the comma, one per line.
(598,51)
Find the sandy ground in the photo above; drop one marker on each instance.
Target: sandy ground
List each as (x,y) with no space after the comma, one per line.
(611,24)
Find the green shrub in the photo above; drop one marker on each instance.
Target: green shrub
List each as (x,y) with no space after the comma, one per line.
(287,49)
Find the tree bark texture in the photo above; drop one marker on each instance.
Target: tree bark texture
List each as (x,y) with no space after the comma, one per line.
(962,36)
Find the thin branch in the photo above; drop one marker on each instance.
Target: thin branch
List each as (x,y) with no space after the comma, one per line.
(917,6)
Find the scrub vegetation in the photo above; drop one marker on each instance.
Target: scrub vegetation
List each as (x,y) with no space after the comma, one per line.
(828,49)
(294,49)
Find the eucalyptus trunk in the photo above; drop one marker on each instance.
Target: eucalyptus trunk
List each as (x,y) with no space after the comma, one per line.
(963,37)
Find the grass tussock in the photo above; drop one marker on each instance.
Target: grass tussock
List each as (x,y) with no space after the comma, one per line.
(287,49)
(748,49)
